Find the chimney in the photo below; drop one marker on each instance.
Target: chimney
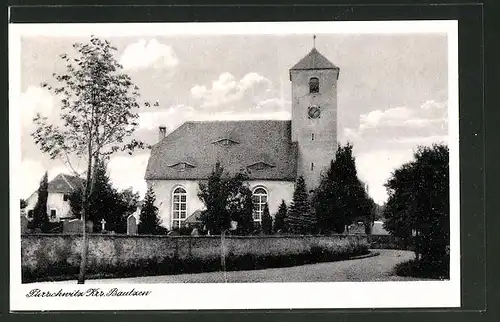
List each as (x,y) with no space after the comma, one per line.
(162,132)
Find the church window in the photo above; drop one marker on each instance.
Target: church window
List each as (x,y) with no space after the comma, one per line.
(179,206)
(312,166)
(314,85)
(65,197)
(312,136)
(52,214)
(259,200)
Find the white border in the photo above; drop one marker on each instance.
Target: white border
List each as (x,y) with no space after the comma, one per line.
(249,295)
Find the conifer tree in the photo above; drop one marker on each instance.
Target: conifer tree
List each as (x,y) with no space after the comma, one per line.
(267,221)
(149,221)
(300,220)
(40,218)
(279,218)
(341,198)
(104,200)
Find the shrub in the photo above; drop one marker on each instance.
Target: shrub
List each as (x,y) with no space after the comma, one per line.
(425,269)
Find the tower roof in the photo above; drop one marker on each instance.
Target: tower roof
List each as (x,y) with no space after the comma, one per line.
(314,60)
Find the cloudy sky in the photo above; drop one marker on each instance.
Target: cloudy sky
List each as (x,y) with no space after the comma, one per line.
(392,92)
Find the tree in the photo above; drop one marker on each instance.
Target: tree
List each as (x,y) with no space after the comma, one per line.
(40,219)
(300,219)
(240,205)
(226,198)
(267,221)
(99,106)
(76,202)
(149,221)
(341,198)
(24,204)
(127,203)
(280,217)
(105,202)
(419,202)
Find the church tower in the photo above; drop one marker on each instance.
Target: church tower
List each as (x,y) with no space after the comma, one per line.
(314,115)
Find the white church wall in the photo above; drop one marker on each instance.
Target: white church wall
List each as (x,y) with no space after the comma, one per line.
(277,191)
(163,190)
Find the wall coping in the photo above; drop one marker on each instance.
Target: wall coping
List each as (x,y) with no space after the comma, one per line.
(193,237)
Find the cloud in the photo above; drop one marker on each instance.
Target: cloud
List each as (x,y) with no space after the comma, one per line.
(31,172)
(176,115)
(390,117)
(376,167)
(128,171)
(170,117)
(143,54)
(276,104)
(401,125)
(36,100)
(423,140)
(386,139)
(227,90)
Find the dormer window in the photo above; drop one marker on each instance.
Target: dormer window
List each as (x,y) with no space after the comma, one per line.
(260,166)
(314,85)
(226,142)
(182,166)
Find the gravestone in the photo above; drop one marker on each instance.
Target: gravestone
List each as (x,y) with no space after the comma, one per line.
(75,226)
(131,225)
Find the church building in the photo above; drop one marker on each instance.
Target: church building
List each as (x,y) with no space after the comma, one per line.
(272,153)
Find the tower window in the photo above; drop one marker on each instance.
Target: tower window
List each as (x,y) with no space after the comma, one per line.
(312,136)
(312,166)
(314,85)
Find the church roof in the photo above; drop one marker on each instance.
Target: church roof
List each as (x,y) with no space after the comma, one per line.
(263,149)
(314,60)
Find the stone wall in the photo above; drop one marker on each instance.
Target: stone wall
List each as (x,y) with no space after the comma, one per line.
(47,256)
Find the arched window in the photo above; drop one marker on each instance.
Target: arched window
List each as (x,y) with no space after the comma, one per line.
(179,206)
(314,85)
(259,199)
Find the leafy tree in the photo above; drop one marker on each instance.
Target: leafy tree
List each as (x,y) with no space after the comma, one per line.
(226,198)
(267,221)
(40,219)
(149,221)
(240,206)
(99,106)
(300,219)
(280,217)
(341,198)
(419,202)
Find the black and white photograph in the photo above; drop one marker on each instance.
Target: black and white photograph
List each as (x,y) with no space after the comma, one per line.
(157,163)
